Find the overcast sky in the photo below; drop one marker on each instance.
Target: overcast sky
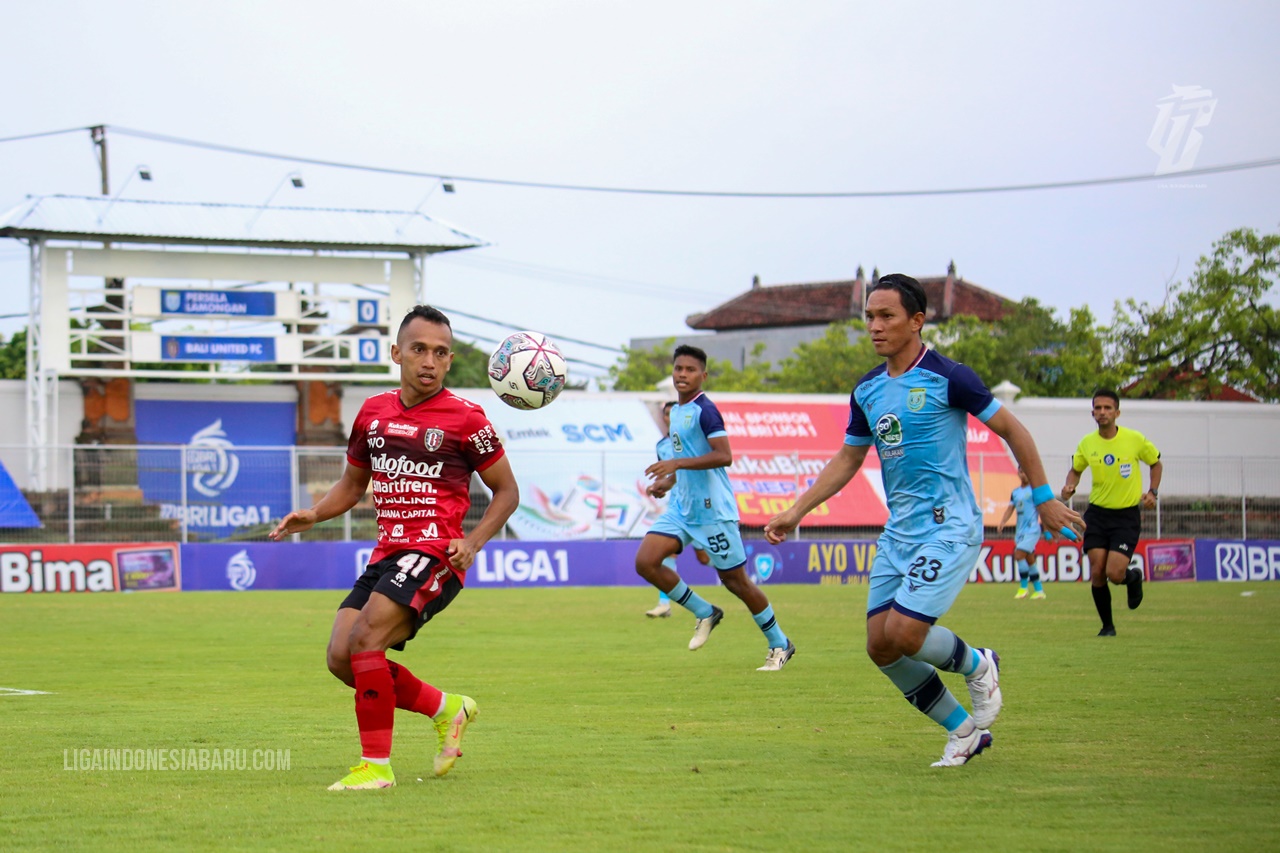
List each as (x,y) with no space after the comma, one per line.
(721,96)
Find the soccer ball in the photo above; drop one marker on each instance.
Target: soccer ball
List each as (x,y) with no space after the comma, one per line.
(527,371)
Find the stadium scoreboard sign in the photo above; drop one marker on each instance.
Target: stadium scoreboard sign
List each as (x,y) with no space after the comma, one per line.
(215,303)
(300,315)
(209,348)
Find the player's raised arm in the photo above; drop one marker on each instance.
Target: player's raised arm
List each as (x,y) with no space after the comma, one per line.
(835,475)
(506,497)
(1055,516)
(345,494)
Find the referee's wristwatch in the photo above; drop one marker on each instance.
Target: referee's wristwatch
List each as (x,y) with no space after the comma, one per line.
(1154,493)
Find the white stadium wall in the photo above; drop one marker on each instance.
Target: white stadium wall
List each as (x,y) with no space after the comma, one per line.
(1208,448)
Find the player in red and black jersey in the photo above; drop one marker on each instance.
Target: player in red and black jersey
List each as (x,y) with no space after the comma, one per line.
(419,446)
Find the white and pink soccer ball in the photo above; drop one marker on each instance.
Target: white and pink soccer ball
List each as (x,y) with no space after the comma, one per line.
(526,371)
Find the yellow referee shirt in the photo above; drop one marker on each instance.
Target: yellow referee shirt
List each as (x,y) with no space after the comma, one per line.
(1117,477)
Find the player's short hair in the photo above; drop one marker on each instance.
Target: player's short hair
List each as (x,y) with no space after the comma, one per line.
(692,352)
(1108,393)
(909,291)
(424,312)
(667,406)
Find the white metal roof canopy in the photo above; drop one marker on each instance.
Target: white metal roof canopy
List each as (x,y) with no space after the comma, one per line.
(192,247)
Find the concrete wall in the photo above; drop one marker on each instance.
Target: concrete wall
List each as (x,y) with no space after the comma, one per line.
(13,428)
(1207,448)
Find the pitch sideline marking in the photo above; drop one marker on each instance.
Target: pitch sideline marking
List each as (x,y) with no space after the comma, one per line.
(14,691)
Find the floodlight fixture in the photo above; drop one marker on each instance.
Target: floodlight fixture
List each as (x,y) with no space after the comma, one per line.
(141,171)
(294,178)
(440,184)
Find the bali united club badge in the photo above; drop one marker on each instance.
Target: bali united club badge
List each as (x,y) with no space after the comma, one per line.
(433,438)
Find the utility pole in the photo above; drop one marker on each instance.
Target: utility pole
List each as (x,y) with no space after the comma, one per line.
(114,300)
(99,133)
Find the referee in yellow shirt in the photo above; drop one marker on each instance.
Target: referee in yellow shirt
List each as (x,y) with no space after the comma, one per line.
(1113,521)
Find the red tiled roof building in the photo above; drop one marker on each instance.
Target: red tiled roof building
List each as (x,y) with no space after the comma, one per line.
(823,303)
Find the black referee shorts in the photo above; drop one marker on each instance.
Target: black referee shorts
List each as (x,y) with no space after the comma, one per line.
(1112,529)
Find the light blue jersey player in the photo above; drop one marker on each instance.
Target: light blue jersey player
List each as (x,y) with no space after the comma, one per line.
(666,450)
(1025,536)
(702,512)
(914,410)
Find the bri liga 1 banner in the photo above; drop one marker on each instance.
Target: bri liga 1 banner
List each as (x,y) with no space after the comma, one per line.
(230,480)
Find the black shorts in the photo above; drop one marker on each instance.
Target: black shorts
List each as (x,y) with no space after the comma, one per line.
(419,581)
(1112,529)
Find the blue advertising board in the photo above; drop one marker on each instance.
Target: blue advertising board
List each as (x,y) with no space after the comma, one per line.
(1237,560)
(231,484)
(509,563)
(234,303)
(213,348)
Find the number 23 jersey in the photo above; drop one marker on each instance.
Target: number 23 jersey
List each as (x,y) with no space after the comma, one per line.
(918,422)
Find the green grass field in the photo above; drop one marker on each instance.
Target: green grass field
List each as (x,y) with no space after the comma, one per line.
(599,730)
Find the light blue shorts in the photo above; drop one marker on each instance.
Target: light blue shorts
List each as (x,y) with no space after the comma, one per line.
(921,580)
(721,540)
(1026,541)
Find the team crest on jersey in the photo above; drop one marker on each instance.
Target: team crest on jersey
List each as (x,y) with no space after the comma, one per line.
(889,429)
(915,399)
(373,425)
(433,439)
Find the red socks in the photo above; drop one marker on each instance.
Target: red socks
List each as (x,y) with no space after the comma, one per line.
(381,687)
(375,703)
(413,694)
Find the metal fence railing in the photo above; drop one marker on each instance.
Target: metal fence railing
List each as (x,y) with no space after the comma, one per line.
(213,493)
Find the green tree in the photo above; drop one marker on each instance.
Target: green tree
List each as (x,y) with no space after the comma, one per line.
(13,356)
(1031,348)
(1082,364)
(756,376)
(830,364)
(642,369)
(470,366)
(1218,328)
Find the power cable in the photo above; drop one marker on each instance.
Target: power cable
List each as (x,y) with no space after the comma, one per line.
(551,335)
(466,334)
(502,323)
(42,134)
(544,185)
(576,278)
